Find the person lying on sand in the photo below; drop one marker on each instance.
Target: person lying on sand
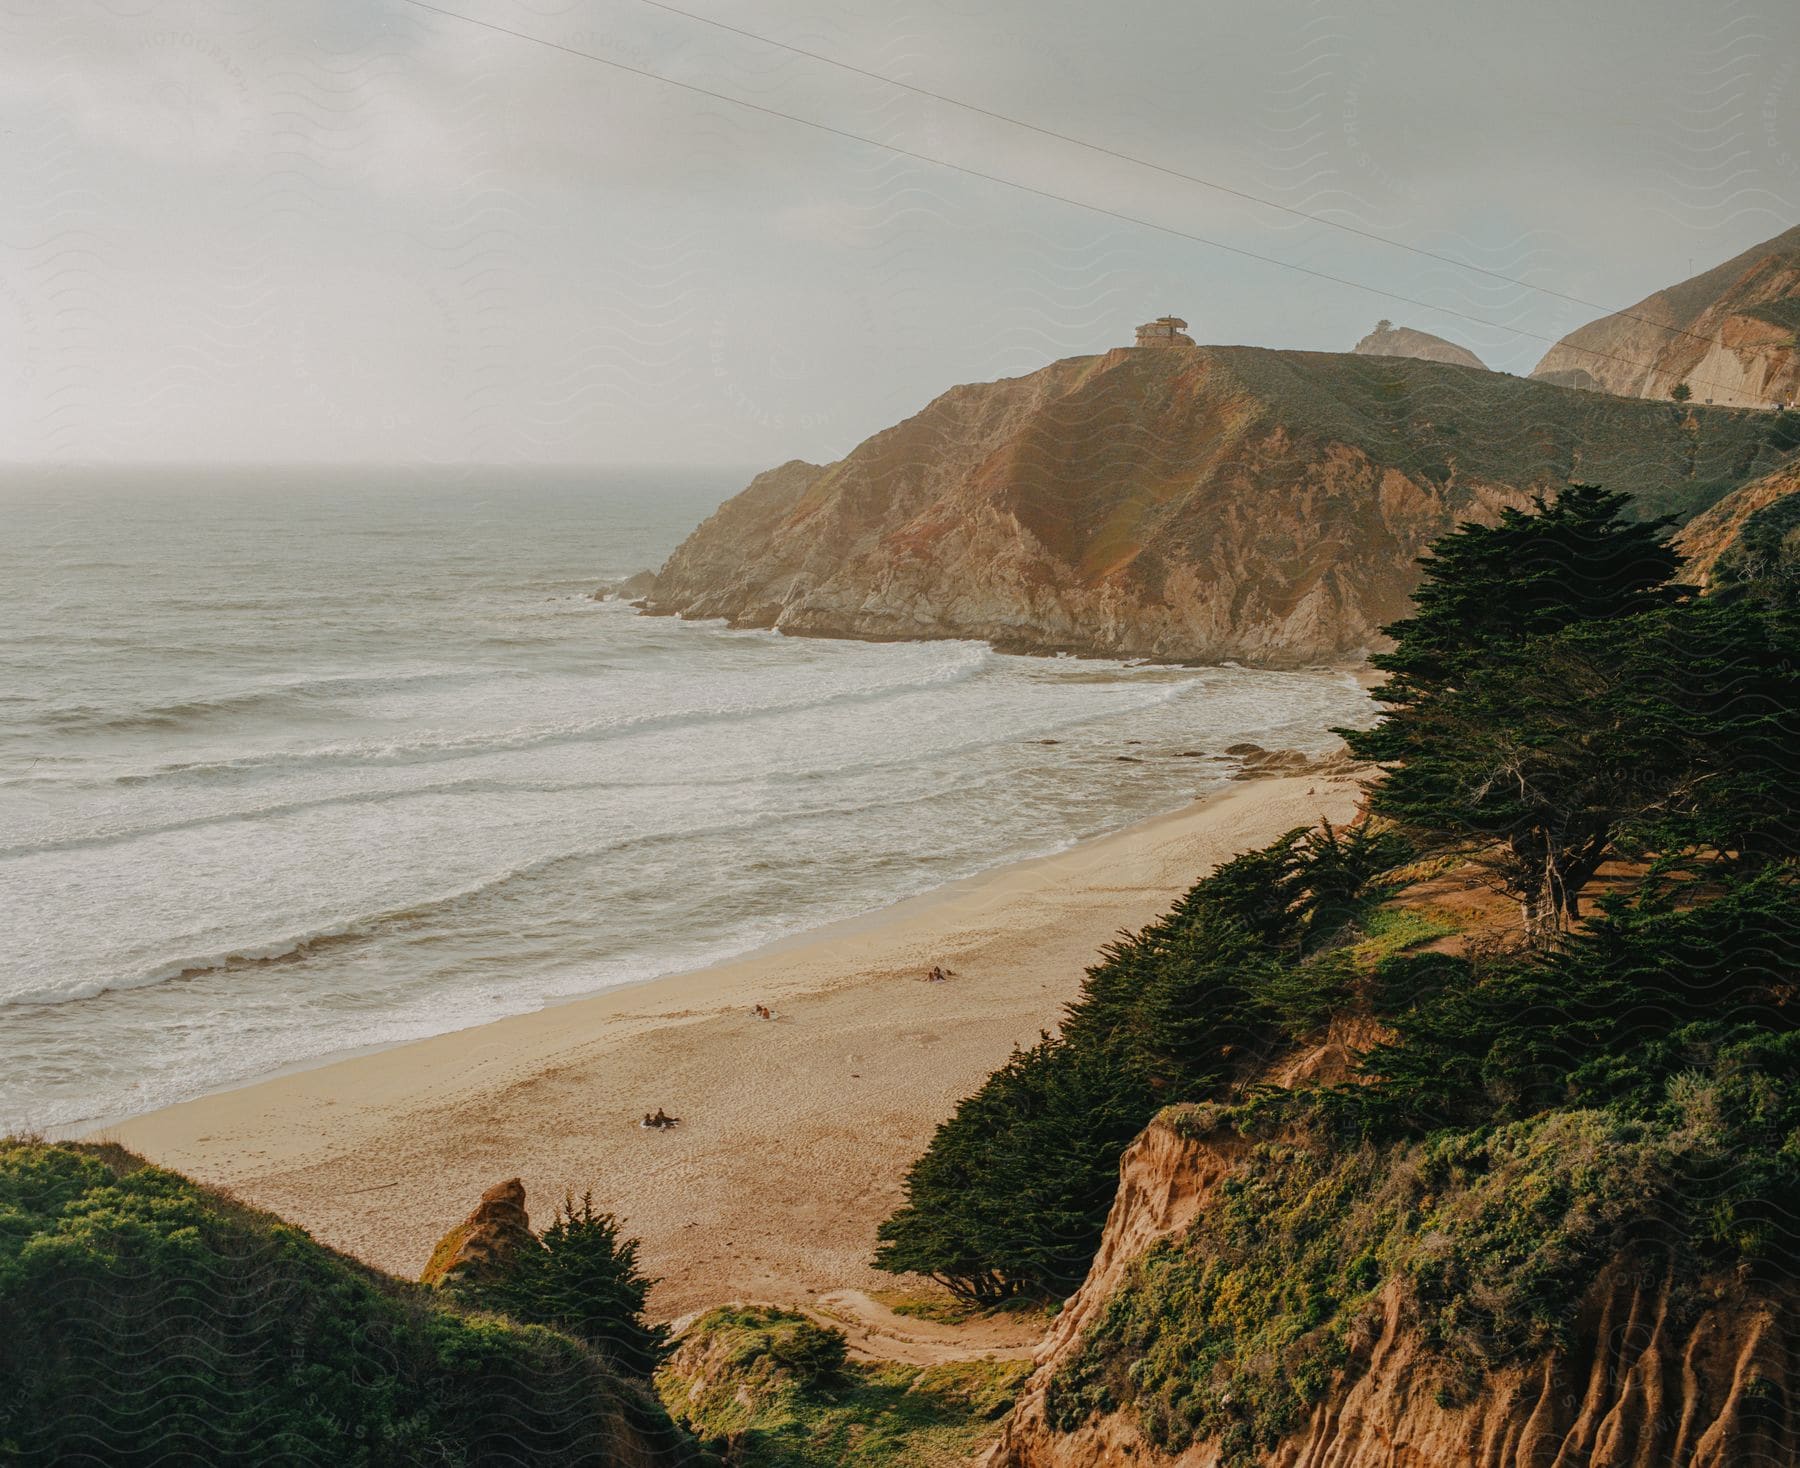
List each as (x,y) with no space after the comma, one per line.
(660,1120)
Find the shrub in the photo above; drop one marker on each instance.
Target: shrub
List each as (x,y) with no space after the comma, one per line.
(777,1388)
(585,1280)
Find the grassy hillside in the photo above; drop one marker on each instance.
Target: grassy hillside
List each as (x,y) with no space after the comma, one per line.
(1436,423)
(775,1390)
(146,1320)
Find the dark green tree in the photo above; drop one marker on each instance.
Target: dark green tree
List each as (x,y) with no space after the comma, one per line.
(1509,733)
(584,1281)
(1681,392)
(1487,588)
(1009,1196)
(1669,733)
(1654,988)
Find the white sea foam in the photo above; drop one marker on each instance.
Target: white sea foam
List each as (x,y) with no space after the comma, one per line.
(283,773)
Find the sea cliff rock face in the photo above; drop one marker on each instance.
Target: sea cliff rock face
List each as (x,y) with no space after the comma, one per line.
(1388,340)
(498,1229)
(1165,1179)
(1209,504)
(1732,334)
(1652,1375)
(1715,536)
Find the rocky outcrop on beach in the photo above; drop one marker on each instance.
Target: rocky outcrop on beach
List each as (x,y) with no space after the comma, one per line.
(1210,504)
(1731,335)
(632,587)
(1388,340)
(1253,762)
(487,1239)
(1655,1372)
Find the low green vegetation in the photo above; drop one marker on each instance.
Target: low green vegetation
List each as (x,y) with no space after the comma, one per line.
(1392,930)
(943,1308)
(151,1321)
(1612,1081)
(1633,1093)
(1784,313)
(1449,426)
(777,1390)
(1232,1332)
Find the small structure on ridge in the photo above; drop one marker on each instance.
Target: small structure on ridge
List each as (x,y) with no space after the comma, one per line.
(1165,331)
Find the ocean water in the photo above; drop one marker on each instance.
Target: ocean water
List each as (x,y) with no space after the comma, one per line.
(293,763)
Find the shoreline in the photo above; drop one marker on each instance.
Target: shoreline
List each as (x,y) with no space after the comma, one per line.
(795,1134)
(91,1128)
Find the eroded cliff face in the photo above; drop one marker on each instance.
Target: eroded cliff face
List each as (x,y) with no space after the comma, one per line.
(1712,537)
(1654,1376)
(1202,505)
(1732,334)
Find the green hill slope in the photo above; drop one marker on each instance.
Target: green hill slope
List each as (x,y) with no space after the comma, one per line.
(148,1320)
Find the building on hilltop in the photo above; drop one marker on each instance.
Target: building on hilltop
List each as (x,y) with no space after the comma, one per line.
(1165,331)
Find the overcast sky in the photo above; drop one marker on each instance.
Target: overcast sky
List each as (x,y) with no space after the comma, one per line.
(358,230)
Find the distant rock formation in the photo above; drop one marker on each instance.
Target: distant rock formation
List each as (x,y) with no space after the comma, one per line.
(1253,762)
(1199,505)
(1730,335)
(1388,340)
(632,587)
(498,1229)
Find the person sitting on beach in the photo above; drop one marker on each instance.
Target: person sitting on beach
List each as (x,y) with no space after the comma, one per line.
(663,1119)
(937,975)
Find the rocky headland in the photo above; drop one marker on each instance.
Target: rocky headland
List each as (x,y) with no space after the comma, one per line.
(1194,504)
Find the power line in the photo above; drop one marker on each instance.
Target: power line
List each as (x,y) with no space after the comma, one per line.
(994,178)
(1207,183)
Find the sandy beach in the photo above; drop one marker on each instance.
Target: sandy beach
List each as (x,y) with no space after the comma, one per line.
(794,1134)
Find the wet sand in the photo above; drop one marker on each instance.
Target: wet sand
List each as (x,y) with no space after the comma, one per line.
(795,1134)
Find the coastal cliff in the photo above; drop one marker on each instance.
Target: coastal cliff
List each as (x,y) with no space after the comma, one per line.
(1753,533)
(1732,334)
(1201,505)
(1654,1370)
